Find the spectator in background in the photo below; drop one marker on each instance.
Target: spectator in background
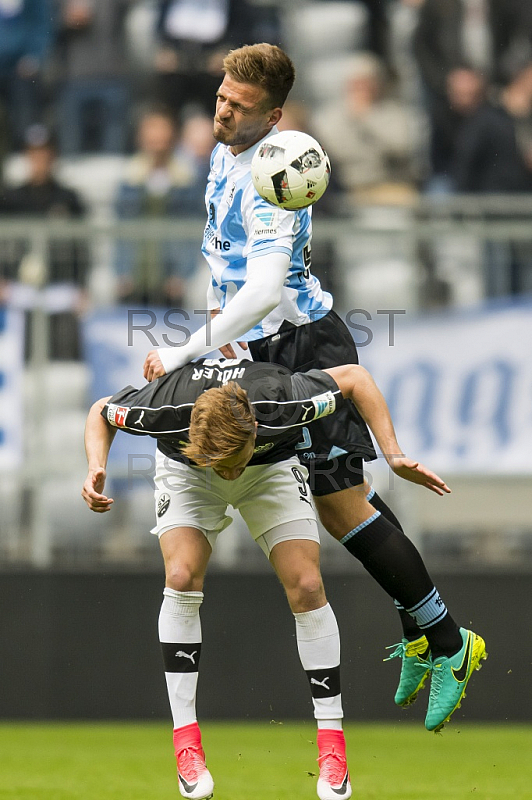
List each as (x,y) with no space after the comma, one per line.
(157,184)
(193,39)
(26,34)
(466,92)
(487,36)
(94,92)
(62,279)
(494,148)
(195,147)
(377,36)
(494,155)
(369,137)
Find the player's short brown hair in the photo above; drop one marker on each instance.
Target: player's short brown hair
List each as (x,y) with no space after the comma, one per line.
(264,65)
(221,425)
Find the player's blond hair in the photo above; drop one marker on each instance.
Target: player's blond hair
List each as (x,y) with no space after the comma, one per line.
(264,65)
(222,423)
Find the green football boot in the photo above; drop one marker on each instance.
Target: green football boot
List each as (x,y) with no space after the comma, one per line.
(415,668)
(449,679)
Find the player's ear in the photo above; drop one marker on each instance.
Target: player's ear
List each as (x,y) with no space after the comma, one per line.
(275,116)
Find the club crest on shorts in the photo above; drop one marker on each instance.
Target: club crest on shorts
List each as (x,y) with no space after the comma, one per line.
(162,504)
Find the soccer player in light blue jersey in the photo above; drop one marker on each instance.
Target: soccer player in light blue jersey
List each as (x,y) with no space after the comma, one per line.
(267,297)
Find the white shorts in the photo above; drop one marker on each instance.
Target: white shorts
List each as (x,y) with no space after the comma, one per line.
(268,496)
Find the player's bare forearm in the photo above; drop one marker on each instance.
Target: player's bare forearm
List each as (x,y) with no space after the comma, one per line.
(259,295)
(357,384)
(99,437)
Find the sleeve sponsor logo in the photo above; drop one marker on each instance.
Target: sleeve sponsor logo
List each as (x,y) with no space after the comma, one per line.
(116,415)
(266,222)
(324,404)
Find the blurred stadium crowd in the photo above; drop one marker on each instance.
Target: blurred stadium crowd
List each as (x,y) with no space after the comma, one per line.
(106,107)
(425,108)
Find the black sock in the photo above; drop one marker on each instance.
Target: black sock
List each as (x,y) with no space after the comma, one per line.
(395,563)
(411,630)
(379,505)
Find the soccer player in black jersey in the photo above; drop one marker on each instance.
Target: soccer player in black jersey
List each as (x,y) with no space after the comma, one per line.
(226,433)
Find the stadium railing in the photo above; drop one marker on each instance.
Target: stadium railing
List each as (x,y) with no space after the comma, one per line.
(45,522)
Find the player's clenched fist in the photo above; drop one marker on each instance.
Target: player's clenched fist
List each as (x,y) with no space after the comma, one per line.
(92,491)
(153,366)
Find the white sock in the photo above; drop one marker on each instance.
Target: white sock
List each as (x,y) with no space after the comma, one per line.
(318,643)
(330,724)
(180,637)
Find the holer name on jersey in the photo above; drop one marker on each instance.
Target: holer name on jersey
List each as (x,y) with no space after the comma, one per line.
(224,376)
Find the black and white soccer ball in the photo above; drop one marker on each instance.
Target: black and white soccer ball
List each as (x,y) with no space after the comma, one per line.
(291,170)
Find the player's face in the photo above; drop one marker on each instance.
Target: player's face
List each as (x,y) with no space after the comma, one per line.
(242,115)
(232,468)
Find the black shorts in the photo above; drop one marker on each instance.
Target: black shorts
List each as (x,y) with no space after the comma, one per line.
(333,448)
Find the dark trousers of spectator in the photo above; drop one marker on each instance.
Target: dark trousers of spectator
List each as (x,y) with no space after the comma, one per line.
(178,89)
(64,338)
(94,117)
(23,103)
(507,268)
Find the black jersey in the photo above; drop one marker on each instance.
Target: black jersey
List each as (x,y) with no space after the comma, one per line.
(283,402)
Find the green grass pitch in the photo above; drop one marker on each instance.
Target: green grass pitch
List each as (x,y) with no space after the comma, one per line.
(261,761)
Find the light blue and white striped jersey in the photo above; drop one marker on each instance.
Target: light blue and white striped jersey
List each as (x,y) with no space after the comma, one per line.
(242,225)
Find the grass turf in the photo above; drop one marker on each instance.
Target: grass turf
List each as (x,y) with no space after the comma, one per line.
(261,761)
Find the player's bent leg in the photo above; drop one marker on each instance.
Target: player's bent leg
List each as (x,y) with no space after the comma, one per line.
(394,561)
(186,553)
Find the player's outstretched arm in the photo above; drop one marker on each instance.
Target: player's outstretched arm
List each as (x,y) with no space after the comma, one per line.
(99,437)
(356,383)
(260,294)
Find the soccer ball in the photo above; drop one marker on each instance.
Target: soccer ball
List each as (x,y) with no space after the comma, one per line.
(291,170)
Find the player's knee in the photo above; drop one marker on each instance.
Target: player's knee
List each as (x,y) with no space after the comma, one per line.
(183,578)
(306,592)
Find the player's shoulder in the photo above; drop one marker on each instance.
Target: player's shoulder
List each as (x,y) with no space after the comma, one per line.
(276,218)
(316,384)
